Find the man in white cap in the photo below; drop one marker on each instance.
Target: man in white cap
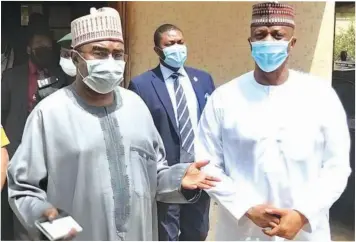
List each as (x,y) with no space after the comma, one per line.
(278,139)
(91,149)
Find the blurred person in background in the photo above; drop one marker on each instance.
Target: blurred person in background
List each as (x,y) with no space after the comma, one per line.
(19,86)
(35,62)
(66,61)
(48,86)
(39,22)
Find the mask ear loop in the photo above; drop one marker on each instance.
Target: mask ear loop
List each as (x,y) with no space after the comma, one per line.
(81,75)
(291,39)
(289,42)
(162,53)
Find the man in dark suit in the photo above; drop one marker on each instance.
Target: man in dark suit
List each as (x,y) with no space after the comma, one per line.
(19,86)
(176,96)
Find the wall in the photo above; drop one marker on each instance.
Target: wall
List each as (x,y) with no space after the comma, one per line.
(216,34)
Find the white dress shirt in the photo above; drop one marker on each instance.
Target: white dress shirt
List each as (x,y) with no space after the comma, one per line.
(188,91)
(285,145)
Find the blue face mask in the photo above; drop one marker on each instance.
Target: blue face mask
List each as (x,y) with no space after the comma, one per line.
(175,55)
(269,55)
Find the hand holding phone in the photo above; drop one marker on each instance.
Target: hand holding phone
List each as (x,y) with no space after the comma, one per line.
(51,213)
(58,225)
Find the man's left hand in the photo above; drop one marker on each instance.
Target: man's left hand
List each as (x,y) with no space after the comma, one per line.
(291,222)
(196,179)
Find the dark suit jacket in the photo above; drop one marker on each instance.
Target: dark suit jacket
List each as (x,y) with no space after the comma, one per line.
(150,86)
(14,102)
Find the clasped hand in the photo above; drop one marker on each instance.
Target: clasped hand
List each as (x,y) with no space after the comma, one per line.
(285,223)
(291,222)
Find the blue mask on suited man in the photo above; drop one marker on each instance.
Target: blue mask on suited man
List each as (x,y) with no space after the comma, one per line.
(175,55)
(269,55)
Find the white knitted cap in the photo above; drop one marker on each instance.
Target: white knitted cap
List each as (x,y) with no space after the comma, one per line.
(101,24)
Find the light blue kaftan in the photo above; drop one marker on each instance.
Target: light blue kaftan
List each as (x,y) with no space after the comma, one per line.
(105,166)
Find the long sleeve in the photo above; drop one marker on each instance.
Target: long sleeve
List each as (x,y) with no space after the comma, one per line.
(169,179)
(320,196)
(26,170)
(236,198)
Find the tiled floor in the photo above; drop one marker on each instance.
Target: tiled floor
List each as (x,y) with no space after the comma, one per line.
(339,231)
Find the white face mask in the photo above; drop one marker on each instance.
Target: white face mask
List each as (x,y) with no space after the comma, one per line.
(68,66)
(104,75)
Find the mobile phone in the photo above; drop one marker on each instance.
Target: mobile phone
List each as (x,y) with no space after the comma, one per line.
(58,228)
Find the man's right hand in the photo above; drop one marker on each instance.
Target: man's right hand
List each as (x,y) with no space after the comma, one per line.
(260,217)
(51,214)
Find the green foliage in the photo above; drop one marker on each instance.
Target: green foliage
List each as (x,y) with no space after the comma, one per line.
(345,40)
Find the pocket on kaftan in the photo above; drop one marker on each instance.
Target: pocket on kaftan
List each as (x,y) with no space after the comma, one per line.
(144,172)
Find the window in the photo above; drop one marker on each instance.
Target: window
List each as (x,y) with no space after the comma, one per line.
(24,15)
(27,10)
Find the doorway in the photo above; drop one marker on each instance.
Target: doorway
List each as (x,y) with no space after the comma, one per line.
(15,16)
(342,214)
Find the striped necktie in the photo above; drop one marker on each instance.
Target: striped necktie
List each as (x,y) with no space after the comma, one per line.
(184,122)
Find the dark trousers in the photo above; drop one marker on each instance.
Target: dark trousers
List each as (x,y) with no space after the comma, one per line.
(192,220)
(11,228)
(7,217)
